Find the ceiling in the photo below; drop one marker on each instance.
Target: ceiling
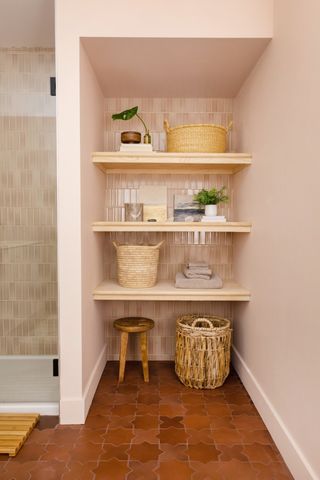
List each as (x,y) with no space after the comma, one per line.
(172,67)
(26,23)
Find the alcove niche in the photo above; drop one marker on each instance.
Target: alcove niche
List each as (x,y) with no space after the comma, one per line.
(183,80)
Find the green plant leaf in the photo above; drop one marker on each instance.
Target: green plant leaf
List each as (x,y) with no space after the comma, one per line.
(211,197)
(126,114)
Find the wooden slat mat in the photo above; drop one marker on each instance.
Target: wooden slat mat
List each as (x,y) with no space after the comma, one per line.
(14,431)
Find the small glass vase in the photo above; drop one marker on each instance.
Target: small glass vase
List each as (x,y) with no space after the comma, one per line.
(133,212)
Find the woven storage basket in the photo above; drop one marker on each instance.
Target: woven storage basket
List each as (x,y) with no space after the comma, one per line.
(201,138)
(137,265)
(202,350)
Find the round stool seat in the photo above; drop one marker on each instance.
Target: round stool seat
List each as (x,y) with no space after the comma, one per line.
(133,324)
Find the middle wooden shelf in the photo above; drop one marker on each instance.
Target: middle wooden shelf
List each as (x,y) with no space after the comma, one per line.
(236,227)
(165,290)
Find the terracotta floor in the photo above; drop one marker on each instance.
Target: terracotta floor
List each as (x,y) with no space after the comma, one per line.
(161,430)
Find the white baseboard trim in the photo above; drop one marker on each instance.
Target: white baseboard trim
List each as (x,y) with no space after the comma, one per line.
(75,410)
(293,456)
(94,379)
(44,408)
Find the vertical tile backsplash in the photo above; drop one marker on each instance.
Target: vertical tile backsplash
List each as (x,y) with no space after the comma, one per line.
(178,247)
(28,278)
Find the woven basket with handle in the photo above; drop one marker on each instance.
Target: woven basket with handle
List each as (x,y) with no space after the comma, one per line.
(202,350)
(198,138)
(137,265)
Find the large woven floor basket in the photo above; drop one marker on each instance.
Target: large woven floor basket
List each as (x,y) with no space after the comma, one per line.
(201,138)
(137,265)
(202,350)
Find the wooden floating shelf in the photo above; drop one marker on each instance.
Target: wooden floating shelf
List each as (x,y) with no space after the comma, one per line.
(165,290)
(240,227)
(180,163)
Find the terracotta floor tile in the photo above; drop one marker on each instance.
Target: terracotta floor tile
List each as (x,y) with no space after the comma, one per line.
(147,399)
(173,452)
(259,436)
(237,470)
(142,471)
(259,453)
(167,422)
(227,435)
(207,471)
(202,452)
(142,409)
(47,471)
(172,410)
(64,435)
(97,421)
(60,453)
(124,422)
(196,409)
(232,452)
(250,422)
(221,422)
(272,471)
(172,435)
(174,470)
(197,421)
(40,436)
(123,410)
(111,470)
(144,452)
(159,430)
(120,452)
(150,436)
(85,452)
(79,471)
(30,453)
(119,436)
(124,399)
(198,436)
(47,421)
(93,435)
(146,422)
(218,409)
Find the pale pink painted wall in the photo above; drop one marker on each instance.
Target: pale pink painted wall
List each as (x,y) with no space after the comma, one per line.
(92,206)
(74,19)
(277,333)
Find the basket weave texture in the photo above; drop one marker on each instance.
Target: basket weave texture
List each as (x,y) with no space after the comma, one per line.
(198,138)
(202,350)
(137,265)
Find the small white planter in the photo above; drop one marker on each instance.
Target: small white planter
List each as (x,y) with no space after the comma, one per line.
(210,210)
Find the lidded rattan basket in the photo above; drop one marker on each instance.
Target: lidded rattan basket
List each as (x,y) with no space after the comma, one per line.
(202,350)
(197,138)
(137,265)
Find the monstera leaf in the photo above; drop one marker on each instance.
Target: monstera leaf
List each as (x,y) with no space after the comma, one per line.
(126,114)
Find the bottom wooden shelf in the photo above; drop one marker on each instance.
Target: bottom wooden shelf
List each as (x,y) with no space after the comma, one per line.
(165,290)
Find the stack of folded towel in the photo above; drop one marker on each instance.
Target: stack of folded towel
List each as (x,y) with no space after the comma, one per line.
(197,275)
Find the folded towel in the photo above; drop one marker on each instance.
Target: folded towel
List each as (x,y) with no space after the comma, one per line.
(199,270)
(188,273)
(197,264)
(183,282)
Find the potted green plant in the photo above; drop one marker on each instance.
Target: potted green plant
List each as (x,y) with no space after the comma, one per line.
(127,115)
(211,198)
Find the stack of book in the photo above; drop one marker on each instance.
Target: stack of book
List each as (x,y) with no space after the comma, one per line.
(213,218)
(135,147)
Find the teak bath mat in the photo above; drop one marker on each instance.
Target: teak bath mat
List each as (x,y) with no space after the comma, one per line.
(14,431)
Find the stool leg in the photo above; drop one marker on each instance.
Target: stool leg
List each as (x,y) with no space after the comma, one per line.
(123,354)
(144,355)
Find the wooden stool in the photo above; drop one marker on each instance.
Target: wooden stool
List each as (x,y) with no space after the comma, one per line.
(134,325)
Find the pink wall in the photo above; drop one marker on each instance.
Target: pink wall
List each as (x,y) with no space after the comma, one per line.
(92,206)
(276,336)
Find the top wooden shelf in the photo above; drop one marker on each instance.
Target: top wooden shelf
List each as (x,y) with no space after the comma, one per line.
(180,163)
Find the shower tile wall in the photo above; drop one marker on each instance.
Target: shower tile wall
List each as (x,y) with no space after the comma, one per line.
(28,280)
(179,247)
